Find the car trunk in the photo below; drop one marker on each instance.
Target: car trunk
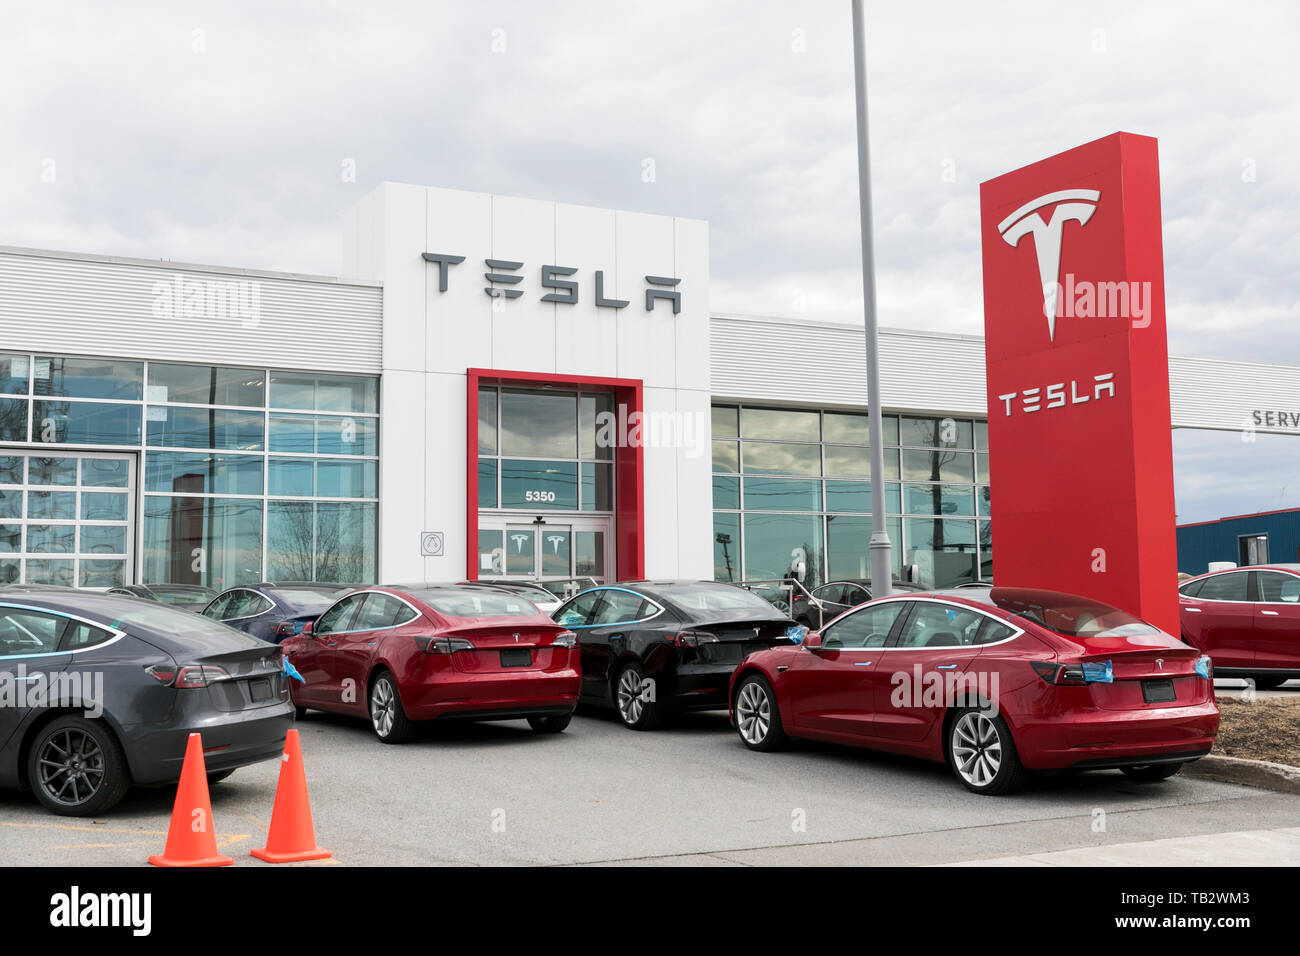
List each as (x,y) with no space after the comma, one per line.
(1148,671)
(256,678)
(505,645)
(737,639)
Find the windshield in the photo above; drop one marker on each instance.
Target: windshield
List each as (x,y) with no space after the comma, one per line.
(1070,615)
(166,620)
(182,595)
(477,603)
(713,597)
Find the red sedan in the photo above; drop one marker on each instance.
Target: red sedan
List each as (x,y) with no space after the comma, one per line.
(1247,620)
(994,683)
(403,655)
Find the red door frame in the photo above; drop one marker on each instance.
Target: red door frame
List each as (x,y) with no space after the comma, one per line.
(629,465)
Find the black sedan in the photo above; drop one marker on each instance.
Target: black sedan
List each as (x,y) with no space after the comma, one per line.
(837,597)
(187,597)
(272,612)
(651,648)
(105,690)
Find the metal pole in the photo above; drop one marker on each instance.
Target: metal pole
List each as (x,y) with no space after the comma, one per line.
(880,550)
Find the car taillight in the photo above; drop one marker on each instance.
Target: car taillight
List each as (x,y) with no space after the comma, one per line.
(694,638)
(288,628)
(433,644)
(1055,673)
(189,676)
(565,639)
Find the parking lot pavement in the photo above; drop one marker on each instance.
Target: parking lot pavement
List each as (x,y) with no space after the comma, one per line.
(1234,686)
(498,794)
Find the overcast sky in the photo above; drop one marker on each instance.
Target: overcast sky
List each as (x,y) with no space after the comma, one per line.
(220,132)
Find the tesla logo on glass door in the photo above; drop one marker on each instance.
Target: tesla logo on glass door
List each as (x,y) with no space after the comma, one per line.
(1076,205)
(519,540)
(503,275)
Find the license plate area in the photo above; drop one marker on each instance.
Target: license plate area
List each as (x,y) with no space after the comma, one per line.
(1157,691)
(517,657)
(260,689)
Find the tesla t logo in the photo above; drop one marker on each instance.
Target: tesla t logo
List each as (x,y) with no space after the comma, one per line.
(1160,663)
(556,540)
(519,540)
(516,638)
(1075,204)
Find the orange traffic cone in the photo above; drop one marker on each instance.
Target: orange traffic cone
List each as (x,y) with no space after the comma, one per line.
(292,837)
(191,839)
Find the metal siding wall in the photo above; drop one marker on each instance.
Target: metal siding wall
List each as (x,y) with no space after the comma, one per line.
(817,363)
(105,307)
(1200,544)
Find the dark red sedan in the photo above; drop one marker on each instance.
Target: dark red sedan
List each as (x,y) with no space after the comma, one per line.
(994,683)
(1247,620)
(403,655)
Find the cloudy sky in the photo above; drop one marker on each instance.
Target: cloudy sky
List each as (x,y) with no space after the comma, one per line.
(221,132)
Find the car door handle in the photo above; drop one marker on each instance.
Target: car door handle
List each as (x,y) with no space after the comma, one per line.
(617,637)
(782,668)
(862,663)
(945,667)
(1194,610)
(1269,613)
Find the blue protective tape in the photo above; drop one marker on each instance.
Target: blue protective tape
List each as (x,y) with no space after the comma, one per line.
(1203,665)
(1098,673)
(796,634)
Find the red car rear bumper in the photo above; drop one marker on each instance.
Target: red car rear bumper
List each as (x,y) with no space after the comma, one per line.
(492,696)
(1101,738)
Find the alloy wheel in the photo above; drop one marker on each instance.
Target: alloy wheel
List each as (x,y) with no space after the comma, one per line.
(976,748)
(631,695)
(381,707)
(71,767)
(753,712)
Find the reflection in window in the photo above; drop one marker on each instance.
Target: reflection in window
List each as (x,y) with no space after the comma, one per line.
(216,542)
(539,424)
(321,541)
(205,385)
(85,423)
(780,546)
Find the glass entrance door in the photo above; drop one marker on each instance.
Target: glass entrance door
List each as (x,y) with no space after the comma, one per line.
(560,549)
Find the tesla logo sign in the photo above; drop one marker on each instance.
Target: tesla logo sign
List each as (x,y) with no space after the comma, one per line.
(1075,205)
(1079,424)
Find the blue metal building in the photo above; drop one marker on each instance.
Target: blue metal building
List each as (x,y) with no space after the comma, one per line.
(1270,537)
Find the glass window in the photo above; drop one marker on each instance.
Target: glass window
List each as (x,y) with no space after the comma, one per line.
(291,476)
(216,542)
(597,432)
(85,423)
(200,473)
(936,432)
(487,482)
(726,456)
(378,610)
(324,393)
(539,423)
(984,502)
(332,541)
(206,385)
(204,428)
(844,427)
(847,461)
(589,553)
(53,505)
(842,496)
(322,478)
(51,538)
(539,485)
(847,541)
(13,419)
(726,421)
(943,550)
(10,570)
(24,632)
(1224,587)
(982,434)
(780,546)
(726,547)
(476,602)
(105,472)
(597,487)
(11,539)
(491,552)
(11,469)
(1191,588)
(1278,588)
(52,471)
(726,493)
(339,617)
(578,612)
(868,627)
(59,572)
(11,503)
(938,466)
(780,424)
(13,373)
(103,506)
(334,435)
(487,421)
(933,624)
(621,607)
(982,467)
(993,631)
(103,539)
(932,499)
(782,494)
(521,552)
(781,458)
(78,635)
(87,378)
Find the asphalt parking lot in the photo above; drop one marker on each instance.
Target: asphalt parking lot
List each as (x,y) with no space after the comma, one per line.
(498,794)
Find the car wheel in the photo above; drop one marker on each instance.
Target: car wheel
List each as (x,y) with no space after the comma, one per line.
(76,767)
(982,753)
(1150,773)
(550,725)
(386,714)
(633,696)
(1268,681)
(758,720)
(219,775)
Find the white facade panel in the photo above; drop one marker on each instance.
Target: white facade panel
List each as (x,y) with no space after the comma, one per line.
(134,308)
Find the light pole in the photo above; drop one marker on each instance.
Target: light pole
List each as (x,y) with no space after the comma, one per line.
(880,551)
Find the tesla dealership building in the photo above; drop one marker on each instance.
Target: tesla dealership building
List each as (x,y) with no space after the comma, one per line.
(494,387)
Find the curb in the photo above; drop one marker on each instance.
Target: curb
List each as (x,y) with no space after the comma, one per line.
(1250,773)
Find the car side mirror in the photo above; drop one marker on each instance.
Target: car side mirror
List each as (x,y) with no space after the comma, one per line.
(307,630)
(813,640)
